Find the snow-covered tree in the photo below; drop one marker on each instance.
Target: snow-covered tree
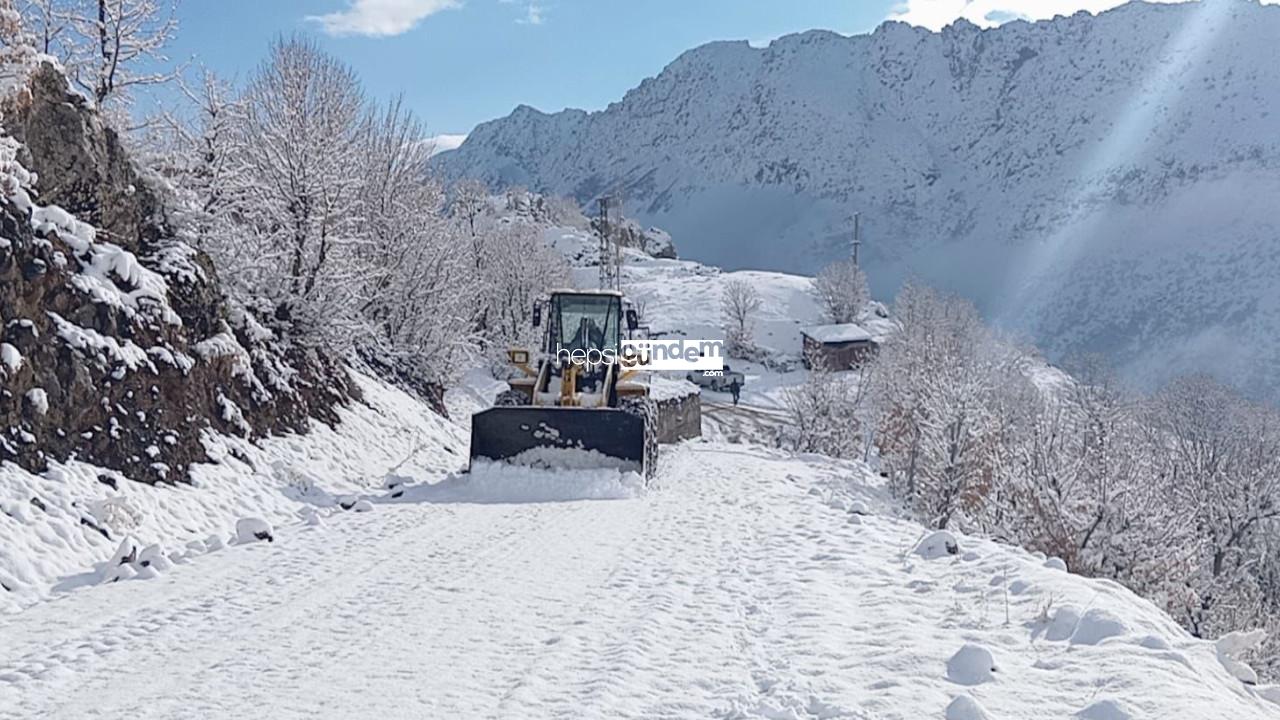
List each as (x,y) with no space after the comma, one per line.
(517,269)
(301,156)
(49,22)
(942,422)
(841,288)
(825,411)
(1220,455)
(470,198)
(113,46)
(18,48)
(738,304)
(416,287)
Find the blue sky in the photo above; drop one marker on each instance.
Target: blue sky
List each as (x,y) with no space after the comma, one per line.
(460,62)
(476,61)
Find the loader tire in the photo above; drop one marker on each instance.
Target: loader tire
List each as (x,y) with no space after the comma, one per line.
(510,398)
(647,409)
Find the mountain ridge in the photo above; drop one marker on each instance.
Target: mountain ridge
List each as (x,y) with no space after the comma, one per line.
(1047,170)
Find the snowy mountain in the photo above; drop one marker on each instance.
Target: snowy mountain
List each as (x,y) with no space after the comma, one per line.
(1103,183)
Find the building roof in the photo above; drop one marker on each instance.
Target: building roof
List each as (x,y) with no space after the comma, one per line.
(840,333)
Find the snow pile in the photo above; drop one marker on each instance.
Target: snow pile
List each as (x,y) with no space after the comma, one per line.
(1097,625)
(966,708)
(1232,645)
(565,458)
(664,388)
(55,526)
(498,482)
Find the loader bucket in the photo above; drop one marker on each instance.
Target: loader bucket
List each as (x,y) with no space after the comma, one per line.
(510,433)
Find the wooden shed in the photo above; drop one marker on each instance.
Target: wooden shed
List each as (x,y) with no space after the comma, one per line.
(842,346)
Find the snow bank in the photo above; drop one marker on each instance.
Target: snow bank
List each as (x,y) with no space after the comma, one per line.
(56,527)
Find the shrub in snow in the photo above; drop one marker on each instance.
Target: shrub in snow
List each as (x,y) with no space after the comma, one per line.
(938,544)
(964,707)
(971,665)
(1097,625)
(363,506)
(1055,563)
(252,530)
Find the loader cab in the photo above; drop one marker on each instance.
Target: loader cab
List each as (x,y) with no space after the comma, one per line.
(583,321)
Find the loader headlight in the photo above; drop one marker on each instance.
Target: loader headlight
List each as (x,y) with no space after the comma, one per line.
(519,357)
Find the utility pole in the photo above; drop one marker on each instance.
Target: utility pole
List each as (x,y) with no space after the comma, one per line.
(857,236)
(610,250)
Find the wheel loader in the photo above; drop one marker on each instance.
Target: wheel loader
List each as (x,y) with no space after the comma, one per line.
(575,393)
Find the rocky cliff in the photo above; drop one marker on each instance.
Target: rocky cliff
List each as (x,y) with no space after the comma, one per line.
(117,346)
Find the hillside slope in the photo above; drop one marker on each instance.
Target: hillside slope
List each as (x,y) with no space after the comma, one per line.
(741,588)
(117,346)
(1100,182)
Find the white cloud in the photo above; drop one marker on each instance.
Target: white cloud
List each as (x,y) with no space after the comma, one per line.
(534,12)
(936,14)
(381,18)
(532,15)
(440,143)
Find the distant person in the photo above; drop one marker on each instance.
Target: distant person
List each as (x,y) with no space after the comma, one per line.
(735,387)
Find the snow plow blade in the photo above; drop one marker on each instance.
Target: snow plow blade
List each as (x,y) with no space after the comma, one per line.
(515,434)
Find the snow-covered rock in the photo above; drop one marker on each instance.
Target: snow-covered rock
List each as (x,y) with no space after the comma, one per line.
(971,665)
(252,529)
(963,707)
(937,544)
(154,556)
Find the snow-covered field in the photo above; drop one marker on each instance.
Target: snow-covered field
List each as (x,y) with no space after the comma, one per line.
(48,537)
(743,587)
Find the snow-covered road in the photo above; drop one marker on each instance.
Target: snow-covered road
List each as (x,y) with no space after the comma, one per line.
(740,588)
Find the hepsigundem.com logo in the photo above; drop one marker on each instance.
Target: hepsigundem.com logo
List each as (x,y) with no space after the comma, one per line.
(674,354)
